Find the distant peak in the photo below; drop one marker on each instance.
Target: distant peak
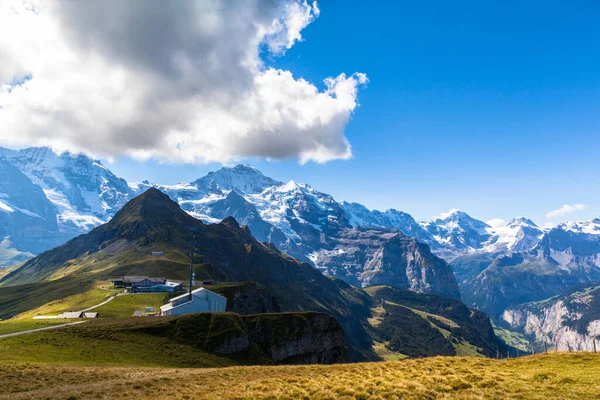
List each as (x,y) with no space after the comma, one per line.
(246,167)
(243,178)
(292,186)
(522,221)
(454,215)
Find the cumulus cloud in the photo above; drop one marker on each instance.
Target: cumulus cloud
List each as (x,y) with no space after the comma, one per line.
(182,81)
(496,222)
(565,209)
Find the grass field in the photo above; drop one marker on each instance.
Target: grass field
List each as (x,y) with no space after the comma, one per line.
(125,305)
(75,302)
(553,376)
(20,325)
(103,342)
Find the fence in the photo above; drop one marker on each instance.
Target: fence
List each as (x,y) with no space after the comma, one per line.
(548,347)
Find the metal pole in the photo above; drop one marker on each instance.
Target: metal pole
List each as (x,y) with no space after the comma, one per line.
(532,349)
(191,266)
(594,341)
(545,347)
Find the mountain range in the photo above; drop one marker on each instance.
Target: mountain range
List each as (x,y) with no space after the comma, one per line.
(378,323)
(491,268)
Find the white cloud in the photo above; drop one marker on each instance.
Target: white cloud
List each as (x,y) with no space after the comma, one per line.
(181,81)
(496,223)
(565,209)
(445,215)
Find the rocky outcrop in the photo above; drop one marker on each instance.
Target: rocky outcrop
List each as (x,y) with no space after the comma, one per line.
(365,257)
(276,338)
(291,338)
(570,321)
(248,298)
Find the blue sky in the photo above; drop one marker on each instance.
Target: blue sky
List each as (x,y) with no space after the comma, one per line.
(489,107)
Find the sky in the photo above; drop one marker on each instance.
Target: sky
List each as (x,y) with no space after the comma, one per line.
(487,107)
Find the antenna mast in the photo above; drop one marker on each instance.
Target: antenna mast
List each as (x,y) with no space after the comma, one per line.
(191,267)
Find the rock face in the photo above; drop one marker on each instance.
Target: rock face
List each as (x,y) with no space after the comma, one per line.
(288,338)
(249,298)
(366,257)
(309,338)
(569,321)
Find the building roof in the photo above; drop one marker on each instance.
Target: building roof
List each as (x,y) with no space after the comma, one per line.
(71,315)
(138,313)
(170,305)
(132,279)
(90,314)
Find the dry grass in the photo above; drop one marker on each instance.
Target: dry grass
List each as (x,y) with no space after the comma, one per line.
(555,376)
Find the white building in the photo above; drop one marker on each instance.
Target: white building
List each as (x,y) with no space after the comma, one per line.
(202,301)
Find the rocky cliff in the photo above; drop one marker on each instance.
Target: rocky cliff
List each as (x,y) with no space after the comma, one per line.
(248,298)
(277,338)
(371,256)
(570,321)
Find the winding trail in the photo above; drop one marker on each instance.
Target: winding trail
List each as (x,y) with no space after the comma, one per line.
(111,298)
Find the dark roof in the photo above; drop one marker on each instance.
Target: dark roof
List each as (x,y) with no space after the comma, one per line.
(132,279)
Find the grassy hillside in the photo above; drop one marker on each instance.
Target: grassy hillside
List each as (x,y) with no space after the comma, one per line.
(430,325)
(124,306)
(16,300)
(552,376)
(20,325)
(94,343)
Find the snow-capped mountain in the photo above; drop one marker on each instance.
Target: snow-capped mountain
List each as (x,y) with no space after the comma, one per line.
(296,218)
(84,192)
(69,194)
(458,232)
(27,219)
(360,216)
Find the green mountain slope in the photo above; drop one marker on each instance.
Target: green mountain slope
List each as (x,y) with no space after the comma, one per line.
(422,325)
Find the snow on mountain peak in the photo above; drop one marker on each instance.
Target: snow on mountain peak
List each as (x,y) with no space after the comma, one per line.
(243,178)
(291,186)
(588,227)
(522,221)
